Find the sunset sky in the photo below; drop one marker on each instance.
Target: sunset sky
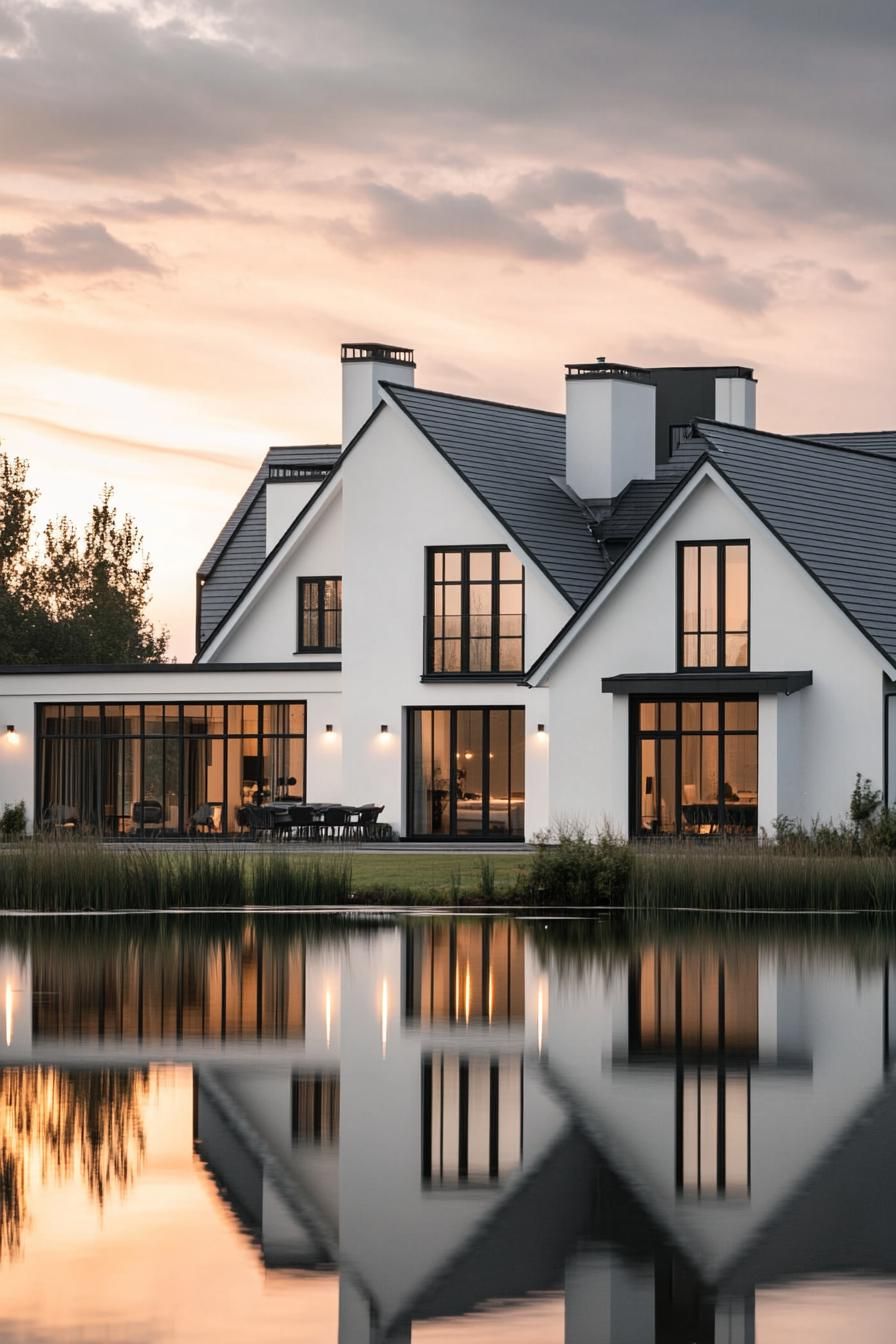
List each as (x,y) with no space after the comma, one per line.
(199,201)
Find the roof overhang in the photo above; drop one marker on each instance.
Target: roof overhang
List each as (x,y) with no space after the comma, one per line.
(707,683)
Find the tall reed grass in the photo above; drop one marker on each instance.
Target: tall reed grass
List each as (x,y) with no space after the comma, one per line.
(62,876)
(731,877)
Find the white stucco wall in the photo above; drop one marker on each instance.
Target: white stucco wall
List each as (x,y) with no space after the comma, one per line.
(400,496)
(268,627)
(283,502)
(809,753)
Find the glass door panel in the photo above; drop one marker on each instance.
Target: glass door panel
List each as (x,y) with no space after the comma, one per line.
(467,772)
(469,800)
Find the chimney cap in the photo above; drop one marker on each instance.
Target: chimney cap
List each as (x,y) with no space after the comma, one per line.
(353,351)
(601,369)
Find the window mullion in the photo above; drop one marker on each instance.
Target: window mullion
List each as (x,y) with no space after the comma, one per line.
(496,618)
(465,611)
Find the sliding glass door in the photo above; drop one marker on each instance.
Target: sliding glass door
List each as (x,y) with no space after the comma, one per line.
(695,766)
(466,773)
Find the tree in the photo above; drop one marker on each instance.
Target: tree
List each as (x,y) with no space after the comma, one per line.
(77,597)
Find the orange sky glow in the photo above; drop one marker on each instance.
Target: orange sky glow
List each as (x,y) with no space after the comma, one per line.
(199,202)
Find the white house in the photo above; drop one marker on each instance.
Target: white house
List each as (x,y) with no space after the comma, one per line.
(486,618)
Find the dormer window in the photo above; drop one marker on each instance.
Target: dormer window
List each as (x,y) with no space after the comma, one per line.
(320,615)
(474,613)
(714,605)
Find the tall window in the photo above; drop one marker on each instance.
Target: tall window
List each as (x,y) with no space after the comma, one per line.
(474,616)
(695,766)
(320,615)
(120,769)
(714,609)
(472,1118)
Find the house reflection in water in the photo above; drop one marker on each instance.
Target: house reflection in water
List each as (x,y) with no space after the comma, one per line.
(701,1011)
(691,1124)
(186,988)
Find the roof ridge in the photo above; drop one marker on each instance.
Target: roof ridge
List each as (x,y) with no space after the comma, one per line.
(392,388)
(797,439)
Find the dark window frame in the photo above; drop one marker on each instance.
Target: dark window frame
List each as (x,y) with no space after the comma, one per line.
(464,672)
(179,738)
(637,735)
(476,837)
(721,632)
(322,609)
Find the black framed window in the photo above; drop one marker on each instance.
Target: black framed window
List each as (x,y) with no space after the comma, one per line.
(466,772)
(474,611)
(472,1119)
(154,768)
(714,605)
(320,615)
(695,766)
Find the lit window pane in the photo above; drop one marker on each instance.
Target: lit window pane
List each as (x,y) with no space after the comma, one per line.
(736,587)
(480,655)
(452,566)
(668,715)
(480,566)
(510,566)
(709,650)
(735,651)
(741,715)
(689,594)
(690,650)
(690,716)
(709,614)
(511,655)
(648,717)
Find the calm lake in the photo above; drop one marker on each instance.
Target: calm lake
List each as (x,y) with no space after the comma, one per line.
(377,1130)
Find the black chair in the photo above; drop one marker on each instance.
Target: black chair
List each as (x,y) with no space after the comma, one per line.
(204,819)
(257,819)
(280,822)
(333,822)
(147,816)
(60,817)
(305,822)
(365,825)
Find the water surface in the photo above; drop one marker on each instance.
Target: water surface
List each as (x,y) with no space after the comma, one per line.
(376,1131)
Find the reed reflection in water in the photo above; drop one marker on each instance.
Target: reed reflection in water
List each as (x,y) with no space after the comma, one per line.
(84,1122)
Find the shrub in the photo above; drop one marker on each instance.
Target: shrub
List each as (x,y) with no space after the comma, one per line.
(486,879)
(573,868)
(13,821)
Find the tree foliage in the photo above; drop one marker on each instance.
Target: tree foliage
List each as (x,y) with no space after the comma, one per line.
(70,596)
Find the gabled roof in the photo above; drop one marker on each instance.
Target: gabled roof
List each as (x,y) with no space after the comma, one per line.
(831,505)
(878,441)
(834,508)
(508,456)
(239,548)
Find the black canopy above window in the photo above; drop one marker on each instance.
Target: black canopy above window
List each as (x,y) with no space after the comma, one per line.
(706,683)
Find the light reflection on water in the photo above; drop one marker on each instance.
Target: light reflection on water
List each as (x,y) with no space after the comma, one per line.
(445,1131)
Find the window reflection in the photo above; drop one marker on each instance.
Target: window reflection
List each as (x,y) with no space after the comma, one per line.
(315,1109)
(470,974)
(222,989)
(472,1118)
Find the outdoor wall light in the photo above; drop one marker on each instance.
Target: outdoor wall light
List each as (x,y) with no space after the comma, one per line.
(384,728)
(541,730)
(328,728)
(12,736)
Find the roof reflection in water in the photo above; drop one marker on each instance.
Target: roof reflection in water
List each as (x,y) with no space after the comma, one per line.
(693,1120)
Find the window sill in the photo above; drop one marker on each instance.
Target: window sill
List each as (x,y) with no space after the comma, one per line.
(304,653)
(509,678)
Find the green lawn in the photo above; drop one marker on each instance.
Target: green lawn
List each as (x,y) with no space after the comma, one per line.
(435,876)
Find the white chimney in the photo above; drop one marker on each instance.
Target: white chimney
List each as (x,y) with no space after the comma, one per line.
(610,428)
(364,367)
(736,398)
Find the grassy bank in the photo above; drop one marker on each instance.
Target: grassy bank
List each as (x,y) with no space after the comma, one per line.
(66,876)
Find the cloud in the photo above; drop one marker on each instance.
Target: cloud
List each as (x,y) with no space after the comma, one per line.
(845,281)
(708,274)
(160,207)
(566,186)
(67,249)
(468,221)
(792,97)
